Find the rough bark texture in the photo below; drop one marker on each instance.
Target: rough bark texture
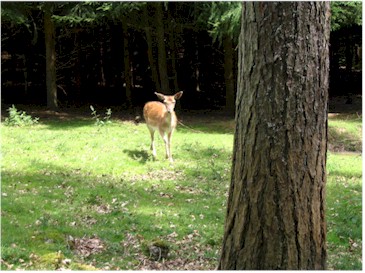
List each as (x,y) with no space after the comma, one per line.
(275,215)
(49,32)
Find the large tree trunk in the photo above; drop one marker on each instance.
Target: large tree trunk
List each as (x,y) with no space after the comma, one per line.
(49,32)
(228,73)
(162,63)
(275,215)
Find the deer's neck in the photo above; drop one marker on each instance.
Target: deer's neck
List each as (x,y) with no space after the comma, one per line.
(170,119)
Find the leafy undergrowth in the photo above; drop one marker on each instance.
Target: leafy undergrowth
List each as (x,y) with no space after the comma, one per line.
(84,197)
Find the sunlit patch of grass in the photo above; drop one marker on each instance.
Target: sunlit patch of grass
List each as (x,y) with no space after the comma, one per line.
(347,165)
(64,179)
(344,211)
(345,132)
(72,178)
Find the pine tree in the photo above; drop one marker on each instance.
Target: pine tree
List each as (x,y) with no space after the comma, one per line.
(275,210)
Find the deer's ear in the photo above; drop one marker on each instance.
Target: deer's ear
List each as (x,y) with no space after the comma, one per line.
(178,95)
(160,96)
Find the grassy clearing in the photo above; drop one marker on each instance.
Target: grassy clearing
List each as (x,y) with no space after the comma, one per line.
(344,211)
(80,196)
(345,132)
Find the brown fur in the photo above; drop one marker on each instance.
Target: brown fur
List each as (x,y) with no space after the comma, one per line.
(161,116)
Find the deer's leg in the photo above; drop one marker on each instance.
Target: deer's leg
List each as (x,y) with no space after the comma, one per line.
(169,135)
(166,140)
(153,149)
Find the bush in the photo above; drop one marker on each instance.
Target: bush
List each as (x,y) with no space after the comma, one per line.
(19,118)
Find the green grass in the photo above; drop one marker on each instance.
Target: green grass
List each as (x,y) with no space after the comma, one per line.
(344,211)
(63,178)
(345,132)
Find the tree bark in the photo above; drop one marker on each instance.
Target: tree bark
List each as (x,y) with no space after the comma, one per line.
(197,63)
(150,49)
(275,211)
(127,65)
(49,32)
(173,50)
(162,63)
(228,73)
(349,52)
(102,81)
(78,67)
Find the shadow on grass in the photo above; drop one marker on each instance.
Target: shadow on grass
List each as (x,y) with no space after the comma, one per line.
(54,124)
(137,155)
(343,141)
(47,203)
(206,124)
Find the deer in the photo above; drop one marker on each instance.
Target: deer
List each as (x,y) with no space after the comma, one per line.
(161,116)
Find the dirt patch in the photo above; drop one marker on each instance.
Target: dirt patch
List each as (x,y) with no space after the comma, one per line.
(186,253)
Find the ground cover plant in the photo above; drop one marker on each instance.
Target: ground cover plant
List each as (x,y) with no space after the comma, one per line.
(76,195)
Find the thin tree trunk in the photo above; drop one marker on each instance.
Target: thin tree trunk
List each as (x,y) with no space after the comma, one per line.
(228,73)
(25,73)
(78,69)
(173,60)
(101,61)
(162,63)
(49,31)
(127,65)
(275,215)
(349,52)
(172,45)
(334,63)
(150,49)
(197,64)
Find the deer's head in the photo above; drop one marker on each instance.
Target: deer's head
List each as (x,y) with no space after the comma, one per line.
(169,101)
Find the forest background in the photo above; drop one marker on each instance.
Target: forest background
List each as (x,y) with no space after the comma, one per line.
(82,191)
(119,53)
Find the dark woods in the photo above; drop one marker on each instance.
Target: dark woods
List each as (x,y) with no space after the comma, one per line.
(119,53)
